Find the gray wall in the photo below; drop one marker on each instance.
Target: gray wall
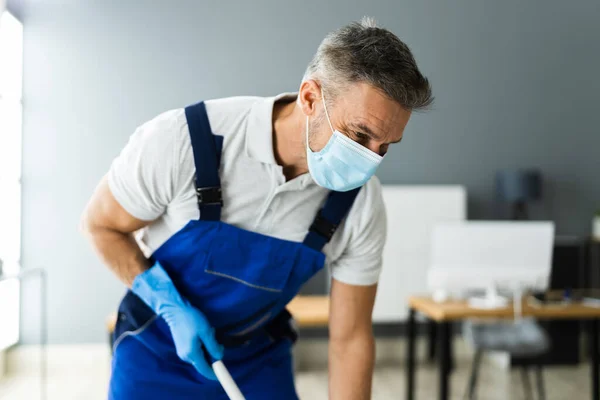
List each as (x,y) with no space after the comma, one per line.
(516,82)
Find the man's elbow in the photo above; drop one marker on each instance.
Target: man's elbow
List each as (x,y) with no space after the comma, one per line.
(358,346)
(88,224)
(85,223)
(352,338)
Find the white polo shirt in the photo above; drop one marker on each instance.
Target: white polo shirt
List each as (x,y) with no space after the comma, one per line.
(153,180)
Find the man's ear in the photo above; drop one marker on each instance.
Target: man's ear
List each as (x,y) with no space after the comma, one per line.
(308,96)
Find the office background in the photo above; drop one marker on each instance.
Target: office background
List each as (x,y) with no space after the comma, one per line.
(516,84)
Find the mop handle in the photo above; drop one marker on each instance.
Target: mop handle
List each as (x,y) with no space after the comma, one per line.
(232,390)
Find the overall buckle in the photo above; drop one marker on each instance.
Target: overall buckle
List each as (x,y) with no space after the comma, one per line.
(209,196)
(323,227)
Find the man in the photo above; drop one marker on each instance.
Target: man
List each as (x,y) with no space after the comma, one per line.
(237,202)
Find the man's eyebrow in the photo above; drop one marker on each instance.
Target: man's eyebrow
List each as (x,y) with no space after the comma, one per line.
(366,130)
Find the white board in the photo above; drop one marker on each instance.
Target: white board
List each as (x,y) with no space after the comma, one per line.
(412,211)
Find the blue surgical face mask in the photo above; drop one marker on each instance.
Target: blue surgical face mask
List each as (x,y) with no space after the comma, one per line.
(342,164)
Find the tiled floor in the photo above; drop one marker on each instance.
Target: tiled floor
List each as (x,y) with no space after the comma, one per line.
(82,372)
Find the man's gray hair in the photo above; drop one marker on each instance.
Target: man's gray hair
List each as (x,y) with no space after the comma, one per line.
(363,52)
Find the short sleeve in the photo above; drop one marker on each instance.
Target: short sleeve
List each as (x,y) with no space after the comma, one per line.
(361,261)
(143,177)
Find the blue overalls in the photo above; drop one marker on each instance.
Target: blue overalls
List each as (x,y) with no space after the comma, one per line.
(240,280)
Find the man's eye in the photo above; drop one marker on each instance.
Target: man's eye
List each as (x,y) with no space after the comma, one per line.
(361,136)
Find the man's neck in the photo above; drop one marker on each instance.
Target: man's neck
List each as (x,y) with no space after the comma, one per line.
(289,145)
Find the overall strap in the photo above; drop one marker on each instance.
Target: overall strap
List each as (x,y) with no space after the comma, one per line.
(336,207)
(207,158)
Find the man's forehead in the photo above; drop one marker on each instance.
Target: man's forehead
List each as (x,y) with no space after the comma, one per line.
(370,111)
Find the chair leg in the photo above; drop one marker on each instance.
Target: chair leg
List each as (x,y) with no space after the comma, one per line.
(470,394)
(526,383)
(539,373)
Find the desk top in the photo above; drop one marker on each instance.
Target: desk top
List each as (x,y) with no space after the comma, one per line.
(310,311)
(453,310)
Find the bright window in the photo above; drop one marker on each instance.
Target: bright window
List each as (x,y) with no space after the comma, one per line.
(11,115)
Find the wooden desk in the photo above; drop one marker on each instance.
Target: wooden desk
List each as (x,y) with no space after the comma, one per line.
(459,310)
(446,313)
(310,311)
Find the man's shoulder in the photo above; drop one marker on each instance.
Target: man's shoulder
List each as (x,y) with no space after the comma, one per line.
(370,198)
(368,206)
(235,104)
(227,115)
(218,110)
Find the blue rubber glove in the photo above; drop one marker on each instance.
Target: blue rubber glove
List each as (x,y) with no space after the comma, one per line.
(189,327)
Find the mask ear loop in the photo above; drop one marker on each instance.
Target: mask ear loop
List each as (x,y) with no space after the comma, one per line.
(326,113)
(307,144)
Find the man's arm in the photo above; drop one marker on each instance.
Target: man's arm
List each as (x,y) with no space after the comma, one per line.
(136,190)
(351,342)
(110,229)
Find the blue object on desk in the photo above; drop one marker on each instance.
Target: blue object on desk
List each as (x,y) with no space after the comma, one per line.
(519,187)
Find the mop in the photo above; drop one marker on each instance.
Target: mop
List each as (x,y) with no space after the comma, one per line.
(225,379)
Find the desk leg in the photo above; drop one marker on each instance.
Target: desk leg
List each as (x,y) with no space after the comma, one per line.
(594,359)
(432,339)
(410,355)
(445,337)
(450,340)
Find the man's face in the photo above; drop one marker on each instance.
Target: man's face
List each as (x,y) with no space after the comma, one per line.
(363,114)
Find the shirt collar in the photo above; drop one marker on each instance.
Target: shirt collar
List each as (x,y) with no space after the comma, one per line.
(259,131)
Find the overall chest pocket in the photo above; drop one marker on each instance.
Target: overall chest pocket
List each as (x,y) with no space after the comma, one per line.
(264,266)
(253,260)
